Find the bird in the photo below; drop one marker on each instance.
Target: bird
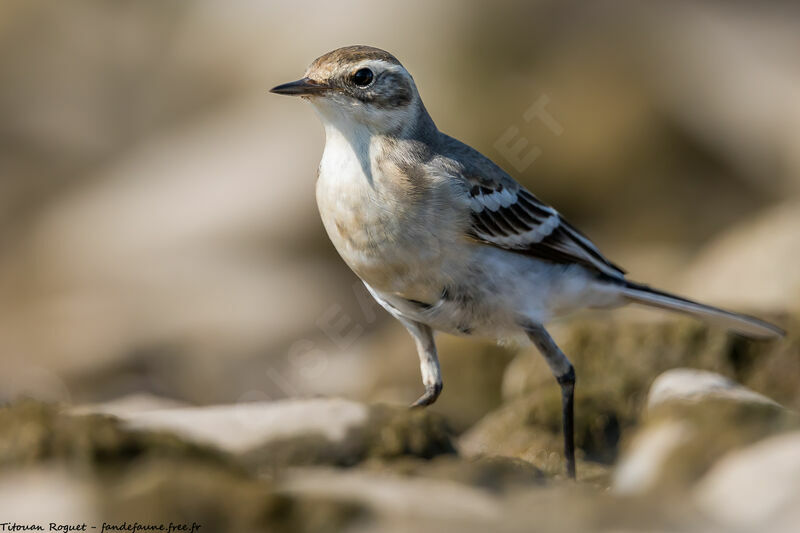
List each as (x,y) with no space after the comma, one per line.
(444,239)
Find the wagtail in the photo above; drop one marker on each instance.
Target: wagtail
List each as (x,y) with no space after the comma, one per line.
(443,238)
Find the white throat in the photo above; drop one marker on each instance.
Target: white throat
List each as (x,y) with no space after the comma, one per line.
(354,133)
(348,145)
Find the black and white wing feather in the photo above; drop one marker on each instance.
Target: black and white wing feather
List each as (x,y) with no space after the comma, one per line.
(506,215)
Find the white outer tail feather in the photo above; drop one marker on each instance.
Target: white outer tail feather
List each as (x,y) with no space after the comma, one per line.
(746,325)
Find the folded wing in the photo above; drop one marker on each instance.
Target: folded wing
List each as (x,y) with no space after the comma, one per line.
(506,215)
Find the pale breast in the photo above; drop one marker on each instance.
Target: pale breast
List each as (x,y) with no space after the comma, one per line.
(386,228)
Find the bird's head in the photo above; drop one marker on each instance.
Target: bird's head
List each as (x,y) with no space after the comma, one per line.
(359,86)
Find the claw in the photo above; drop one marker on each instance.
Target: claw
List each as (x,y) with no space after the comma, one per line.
(431,393)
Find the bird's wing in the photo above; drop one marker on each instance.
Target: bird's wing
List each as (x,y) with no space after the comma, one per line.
(506,215)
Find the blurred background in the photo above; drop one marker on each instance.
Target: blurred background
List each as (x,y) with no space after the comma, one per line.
(158,229)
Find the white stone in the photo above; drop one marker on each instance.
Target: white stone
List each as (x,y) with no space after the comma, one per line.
(688,384)
(393,495)
(129,404)
(239,428)
(756,488)
(640,469)
(42,495)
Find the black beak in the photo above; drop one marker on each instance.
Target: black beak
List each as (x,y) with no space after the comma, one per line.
(301,87)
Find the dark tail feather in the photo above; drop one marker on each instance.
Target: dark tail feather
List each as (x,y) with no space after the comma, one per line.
(746,325)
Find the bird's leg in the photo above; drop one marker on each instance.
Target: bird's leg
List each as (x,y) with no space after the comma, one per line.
(428,361)
(565,375)
(567,383)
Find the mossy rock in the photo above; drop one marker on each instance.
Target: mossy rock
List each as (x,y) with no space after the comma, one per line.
(388,433)
(32,432)
(159,491)
(529,428)
(158,477)
(497,474)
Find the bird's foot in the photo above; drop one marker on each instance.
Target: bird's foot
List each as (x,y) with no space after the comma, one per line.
(431,393)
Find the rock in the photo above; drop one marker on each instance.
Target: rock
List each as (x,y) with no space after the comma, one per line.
(693,418)
(756,488)
(131,403)
(403,503)
(641,466)
(392,495)
(243,427)
(496,474)
(32,433)
(90,466)
(529,428)
(70,499)
(312,431)
(688,384)
(219,499)
(104,467)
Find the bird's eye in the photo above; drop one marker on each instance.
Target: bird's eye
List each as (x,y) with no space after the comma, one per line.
(363,77)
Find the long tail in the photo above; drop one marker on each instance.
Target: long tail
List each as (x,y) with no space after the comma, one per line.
(746,325)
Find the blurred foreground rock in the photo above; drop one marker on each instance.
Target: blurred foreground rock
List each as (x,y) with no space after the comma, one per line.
(314,431)
(757,487)
(70,498)
(103,471)
(692,419)
(100,469)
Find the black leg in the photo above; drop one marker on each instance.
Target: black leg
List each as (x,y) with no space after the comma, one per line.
(565,374)
(567,383)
